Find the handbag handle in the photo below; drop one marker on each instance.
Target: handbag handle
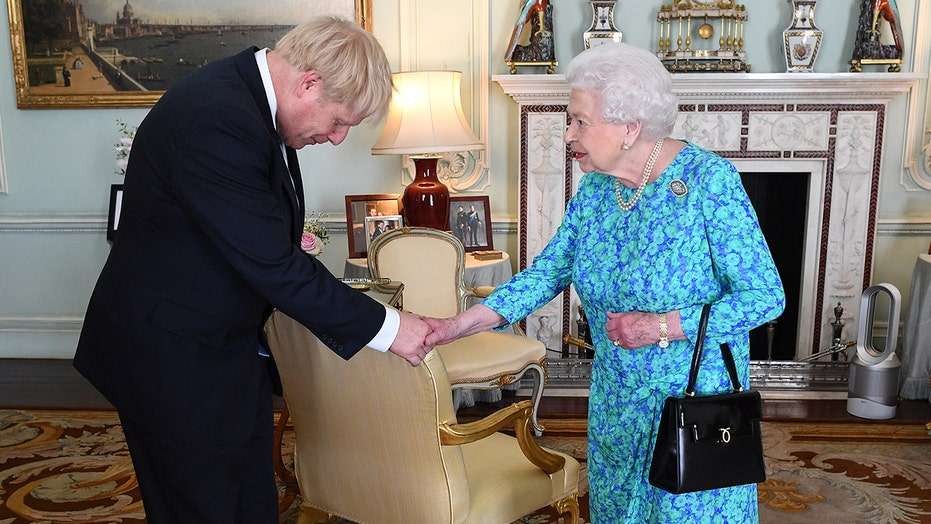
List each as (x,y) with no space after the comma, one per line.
(697,352)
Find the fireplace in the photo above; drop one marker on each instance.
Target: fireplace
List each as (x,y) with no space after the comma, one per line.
(780,201)
(822,134)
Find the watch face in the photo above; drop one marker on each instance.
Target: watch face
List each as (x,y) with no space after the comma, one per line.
(664,344)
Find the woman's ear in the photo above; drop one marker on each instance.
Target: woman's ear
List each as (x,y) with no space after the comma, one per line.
(632,132)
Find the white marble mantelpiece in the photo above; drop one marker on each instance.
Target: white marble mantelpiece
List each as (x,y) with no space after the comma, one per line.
(859,87)
(829,125)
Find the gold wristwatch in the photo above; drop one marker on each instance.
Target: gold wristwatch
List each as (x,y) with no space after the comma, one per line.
(663,331)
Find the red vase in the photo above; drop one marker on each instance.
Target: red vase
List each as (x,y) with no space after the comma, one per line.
(426,199)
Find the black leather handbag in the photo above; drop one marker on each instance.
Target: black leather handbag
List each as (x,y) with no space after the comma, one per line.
(709,442)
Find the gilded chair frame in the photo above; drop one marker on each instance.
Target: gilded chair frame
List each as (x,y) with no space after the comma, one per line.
(463,295)
(309,368)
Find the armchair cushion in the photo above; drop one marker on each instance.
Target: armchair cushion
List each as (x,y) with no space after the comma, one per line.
(485,356)
(505,486)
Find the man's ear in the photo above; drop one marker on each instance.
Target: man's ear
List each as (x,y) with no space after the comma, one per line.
(309,82)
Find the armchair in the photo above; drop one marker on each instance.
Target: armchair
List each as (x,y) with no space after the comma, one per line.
(430,263)
(377,441)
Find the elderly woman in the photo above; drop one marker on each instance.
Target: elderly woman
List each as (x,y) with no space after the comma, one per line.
(657,228)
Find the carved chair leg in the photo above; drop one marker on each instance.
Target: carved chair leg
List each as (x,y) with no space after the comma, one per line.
(280,471)
(309,515)
(536,395)
(570,506)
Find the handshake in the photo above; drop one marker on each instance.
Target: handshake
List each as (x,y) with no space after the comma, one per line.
(417,335)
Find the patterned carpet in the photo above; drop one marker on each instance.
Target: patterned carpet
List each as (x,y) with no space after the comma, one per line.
(73,466)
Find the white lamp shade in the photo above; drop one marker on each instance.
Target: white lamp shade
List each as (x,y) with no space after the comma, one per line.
(425,116)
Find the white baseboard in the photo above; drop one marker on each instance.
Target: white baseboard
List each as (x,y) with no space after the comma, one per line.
(39,337)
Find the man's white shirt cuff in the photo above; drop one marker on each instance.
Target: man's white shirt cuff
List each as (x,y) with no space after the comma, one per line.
(388,332)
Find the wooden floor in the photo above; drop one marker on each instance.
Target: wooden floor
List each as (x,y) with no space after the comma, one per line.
(55,384)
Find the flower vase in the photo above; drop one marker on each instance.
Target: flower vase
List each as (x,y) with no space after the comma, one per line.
(802,39)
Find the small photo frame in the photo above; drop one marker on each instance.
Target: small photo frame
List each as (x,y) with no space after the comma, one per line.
(113,215)
(470,221)
(360,207)
(375,226)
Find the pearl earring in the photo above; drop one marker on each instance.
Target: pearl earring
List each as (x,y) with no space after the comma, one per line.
(626,146)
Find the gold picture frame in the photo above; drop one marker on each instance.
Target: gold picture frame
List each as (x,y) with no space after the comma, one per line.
(45,81)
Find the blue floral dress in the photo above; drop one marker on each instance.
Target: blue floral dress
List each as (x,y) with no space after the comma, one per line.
(675,250)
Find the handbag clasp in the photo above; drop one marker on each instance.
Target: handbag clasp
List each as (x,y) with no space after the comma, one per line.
(725,434)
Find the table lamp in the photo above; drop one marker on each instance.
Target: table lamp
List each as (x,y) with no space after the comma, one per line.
(424,120)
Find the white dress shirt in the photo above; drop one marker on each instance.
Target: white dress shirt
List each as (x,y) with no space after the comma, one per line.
(389,330)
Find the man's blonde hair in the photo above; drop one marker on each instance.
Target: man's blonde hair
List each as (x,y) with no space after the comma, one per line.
(349,59)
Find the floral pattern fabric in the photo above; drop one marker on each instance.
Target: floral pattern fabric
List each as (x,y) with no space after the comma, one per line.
(675,250)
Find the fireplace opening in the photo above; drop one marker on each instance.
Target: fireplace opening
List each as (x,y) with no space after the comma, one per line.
(780,201)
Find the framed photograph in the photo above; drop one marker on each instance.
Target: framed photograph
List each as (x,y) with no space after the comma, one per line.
(113,216)
(470,221)
(100,53)
(375,226)
(361,207)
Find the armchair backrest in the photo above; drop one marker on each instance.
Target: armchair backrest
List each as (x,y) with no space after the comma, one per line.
(368,446)
(429,262)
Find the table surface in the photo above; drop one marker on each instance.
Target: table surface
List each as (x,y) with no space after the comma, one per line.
(470,261)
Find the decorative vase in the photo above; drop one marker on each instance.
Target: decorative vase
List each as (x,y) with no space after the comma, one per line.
(802,39)
(602,30)
(426,199)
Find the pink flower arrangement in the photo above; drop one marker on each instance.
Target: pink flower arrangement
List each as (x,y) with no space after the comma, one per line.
(311,244)
(315,234)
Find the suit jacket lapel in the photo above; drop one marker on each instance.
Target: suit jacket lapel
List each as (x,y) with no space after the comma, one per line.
(249,71)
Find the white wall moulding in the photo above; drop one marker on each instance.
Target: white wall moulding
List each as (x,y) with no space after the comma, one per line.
(4,188)
(78,223)
(427,32)
(41,324)
(39,337)
(904,227)
(829,125)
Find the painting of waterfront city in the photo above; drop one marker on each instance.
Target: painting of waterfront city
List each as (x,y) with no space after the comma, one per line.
(100,47)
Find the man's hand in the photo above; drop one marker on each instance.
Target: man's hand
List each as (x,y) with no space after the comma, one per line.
(409,344)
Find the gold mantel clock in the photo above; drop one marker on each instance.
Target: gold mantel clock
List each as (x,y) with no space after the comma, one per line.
(698,27)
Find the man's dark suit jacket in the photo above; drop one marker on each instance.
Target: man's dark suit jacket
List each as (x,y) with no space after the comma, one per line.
(207,246)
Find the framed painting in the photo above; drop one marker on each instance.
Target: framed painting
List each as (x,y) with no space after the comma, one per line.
(362,213)
(470,221)
(85,53)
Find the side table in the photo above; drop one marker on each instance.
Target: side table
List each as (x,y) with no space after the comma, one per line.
(916,347)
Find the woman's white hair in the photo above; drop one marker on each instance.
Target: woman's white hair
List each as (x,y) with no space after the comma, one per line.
(632,85)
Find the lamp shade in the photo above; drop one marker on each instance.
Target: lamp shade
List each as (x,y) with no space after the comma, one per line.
(425,116)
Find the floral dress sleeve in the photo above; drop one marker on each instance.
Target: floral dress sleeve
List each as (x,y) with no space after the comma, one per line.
(550,273)
(751,289)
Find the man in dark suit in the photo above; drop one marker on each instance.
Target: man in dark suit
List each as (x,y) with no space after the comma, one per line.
(208,245)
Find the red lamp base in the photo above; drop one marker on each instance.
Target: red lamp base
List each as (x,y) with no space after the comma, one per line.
(426,199)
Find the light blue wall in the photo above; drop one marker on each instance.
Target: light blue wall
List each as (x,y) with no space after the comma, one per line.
(60,163)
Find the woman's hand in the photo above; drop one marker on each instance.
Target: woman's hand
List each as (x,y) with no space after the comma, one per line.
(636,329)
(443,330)
(473,320)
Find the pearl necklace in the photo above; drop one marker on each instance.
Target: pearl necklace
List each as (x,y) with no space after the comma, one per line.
(647,172)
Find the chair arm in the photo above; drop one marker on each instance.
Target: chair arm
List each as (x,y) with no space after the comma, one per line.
(480,291)
(517,414)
